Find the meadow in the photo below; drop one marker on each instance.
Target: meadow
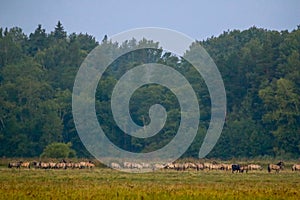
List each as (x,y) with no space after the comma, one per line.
(104,183)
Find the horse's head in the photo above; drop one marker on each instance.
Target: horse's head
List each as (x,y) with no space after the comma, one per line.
(281,164)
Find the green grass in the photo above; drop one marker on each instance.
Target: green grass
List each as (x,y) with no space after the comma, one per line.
(104,183)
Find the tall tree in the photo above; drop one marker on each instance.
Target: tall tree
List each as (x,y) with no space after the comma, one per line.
(37,40)
(59,32)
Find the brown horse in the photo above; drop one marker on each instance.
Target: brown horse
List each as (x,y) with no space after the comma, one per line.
(254,167)
(244,168)
(277,167)
(296,167)
(25,165)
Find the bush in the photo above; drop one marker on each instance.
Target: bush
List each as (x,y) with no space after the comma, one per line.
(58,150)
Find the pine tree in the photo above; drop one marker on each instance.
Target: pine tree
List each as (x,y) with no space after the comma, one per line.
(59,32)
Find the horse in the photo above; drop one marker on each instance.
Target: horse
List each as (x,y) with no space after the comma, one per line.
(61,165)
(277,167)
(25,165)
(43,165)
(200,166)
(296,167)
(86,165)
(216,166)
(254,167)
(115,165)
(180,166)
(15,164)
(52,165)
(207,165)
(90,165)
(227,167)
(244,168)
(236,167)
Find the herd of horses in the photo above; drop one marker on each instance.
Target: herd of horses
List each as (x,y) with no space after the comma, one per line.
(234,168)
(183,166)
(52,165)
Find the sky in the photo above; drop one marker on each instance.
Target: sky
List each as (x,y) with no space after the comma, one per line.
(197,19)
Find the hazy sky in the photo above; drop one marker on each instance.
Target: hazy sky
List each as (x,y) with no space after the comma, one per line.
(198,19)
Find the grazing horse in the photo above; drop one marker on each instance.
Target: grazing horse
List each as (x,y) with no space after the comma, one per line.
(158,166)
(191,165)
(145,165)
(115,165)
(70,165)
(217,167)
(15,164)
(90,165)
(127,165)
(52,165)
(296,167)
(25,165)
(43,165)
(226,167)
(136,166)
(244,168)
(236,167)
(86,165)
(200,166)
(178,166)
(35,164)
(277,167)
(207,165)
(254,167)
(76,165)
(169,166)
(61,165)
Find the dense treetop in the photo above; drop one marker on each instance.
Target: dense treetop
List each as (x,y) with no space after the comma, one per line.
(260,69)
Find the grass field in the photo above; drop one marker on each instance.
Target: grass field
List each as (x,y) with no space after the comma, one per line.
(103,183)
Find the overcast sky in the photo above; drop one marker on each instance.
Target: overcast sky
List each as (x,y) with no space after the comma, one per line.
(198,19)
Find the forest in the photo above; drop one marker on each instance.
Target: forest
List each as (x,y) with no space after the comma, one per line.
(260,69)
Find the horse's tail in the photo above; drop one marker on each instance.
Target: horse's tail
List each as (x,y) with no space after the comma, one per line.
(269,168)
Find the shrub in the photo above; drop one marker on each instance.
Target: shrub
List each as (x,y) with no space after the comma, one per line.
(58,150)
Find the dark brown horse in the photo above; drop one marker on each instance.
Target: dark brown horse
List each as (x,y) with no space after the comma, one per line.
(15,164)
(277,167)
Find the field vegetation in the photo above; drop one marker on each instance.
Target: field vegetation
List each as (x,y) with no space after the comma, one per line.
(105,183)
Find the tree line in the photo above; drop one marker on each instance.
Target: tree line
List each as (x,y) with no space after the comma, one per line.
(260,69)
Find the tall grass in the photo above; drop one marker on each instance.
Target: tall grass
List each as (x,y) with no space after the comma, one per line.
(103,183)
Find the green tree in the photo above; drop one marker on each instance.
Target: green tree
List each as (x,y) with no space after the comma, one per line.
(260,70)
(38,40)
(59,32)
(282,116)
(58,150)
(11,45)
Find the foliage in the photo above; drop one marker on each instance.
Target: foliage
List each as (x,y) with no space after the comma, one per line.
(58,150)
(260,69)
